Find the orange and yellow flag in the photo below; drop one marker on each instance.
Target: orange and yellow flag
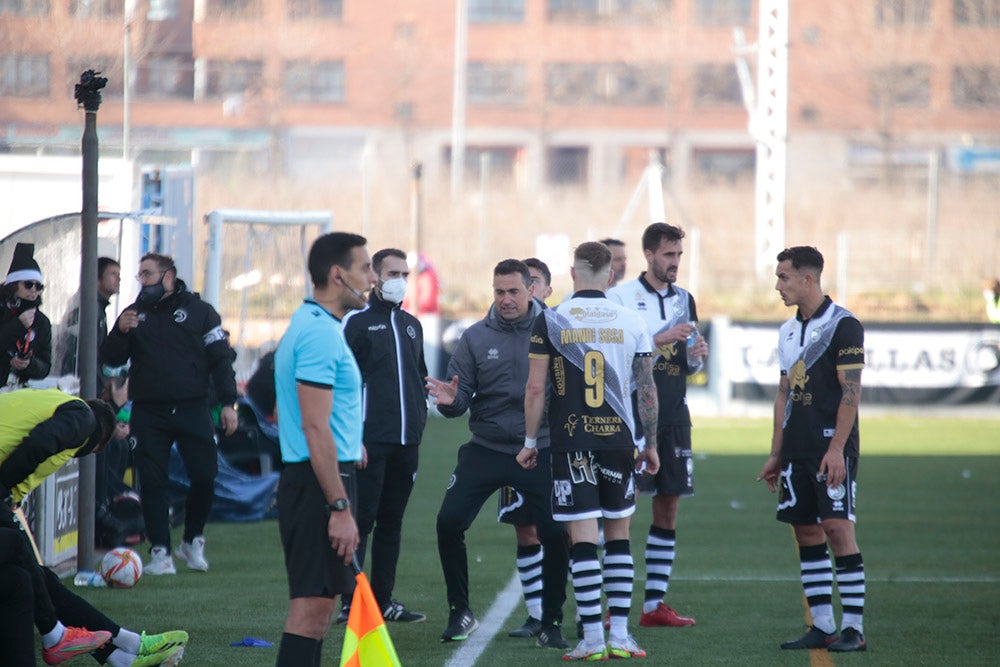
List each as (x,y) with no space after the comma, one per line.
(367,642)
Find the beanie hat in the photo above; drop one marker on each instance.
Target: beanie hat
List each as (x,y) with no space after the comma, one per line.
(23,265)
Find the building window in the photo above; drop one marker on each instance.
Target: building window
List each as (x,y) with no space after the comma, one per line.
(108,66)
(169,77)
(96,8)
(898,13)
(613,84)
(495,83)
(975,86)
(224,78)
(725,164)
(162,10)
(24,7)
(722,13)
(316,9)
(566,165)
(901,86)
(716,84)
(982,13)
(24,76)
(232,9)
(314,81)
(607,11)
(496,11)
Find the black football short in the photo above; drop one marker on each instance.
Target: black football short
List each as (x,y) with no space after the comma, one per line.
(804,498)
(676,474)
(593,484)
(314,568)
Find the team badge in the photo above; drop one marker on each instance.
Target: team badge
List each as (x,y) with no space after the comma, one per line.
(180,315)
(836,492)
(411,332)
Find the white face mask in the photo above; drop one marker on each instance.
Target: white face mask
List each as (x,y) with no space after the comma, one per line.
(394,289)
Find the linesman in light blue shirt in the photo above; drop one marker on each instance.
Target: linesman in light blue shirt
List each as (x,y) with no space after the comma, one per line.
(318,388)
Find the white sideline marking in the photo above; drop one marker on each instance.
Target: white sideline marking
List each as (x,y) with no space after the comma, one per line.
(470,649)
(869,578)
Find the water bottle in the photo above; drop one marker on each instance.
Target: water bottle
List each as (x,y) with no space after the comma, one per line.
(691,340)
(87,578)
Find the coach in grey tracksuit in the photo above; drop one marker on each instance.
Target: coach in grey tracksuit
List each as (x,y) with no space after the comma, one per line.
(491,366)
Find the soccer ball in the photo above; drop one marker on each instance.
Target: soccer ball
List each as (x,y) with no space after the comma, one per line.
(121,568)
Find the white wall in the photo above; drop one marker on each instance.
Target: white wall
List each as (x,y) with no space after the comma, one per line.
(34,188)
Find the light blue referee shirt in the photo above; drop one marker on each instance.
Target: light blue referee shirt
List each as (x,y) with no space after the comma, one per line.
(314,351)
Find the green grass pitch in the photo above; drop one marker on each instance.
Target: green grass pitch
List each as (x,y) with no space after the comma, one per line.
(929,530)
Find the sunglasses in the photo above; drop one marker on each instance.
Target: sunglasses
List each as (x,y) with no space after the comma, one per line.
(33,284)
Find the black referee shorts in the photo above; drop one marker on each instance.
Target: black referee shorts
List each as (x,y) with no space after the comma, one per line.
(314,568)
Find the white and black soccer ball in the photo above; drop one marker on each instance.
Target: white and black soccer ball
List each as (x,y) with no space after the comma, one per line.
(121,568)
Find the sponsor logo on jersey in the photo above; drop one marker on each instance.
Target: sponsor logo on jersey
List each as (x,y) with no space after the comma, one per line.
(602,426)
(493,353)
(852,351)
(377,327)
(571,421)
(797,379)
(593,314)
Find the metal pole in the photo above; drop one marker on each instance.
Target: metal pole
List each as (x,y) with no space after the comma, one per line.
(933,174)
(88,94)
(415,228)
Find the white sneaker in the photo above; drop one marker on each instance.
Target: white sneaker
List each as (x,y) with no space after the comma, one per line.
(193,553)
(160,563)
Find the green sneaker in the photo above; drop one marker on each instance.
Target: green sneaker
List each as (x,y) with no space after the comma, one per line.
(163,649)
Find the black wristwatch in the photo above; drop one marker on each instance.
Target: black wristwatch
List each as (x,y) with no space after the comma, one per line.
(338,505)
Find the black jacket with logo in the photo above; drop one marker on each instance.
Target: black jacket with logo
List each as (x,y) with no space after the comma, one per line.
(177,348)
(388,343)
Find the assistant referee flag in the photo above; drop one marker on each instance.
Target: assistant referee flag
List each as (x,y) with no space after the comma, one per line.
(367,642)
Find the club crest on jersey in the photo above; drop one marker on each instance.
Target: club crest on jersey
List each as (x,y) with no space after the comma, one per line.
(493,353)
(814,334)
(180,315)
(411,332)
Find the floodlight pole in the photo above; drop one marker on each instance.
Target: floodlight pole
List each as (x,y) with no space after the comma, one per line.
(88,95)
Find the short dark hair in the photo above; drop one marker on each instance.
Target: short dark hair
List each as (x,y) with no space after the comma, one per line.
(540,266)
(595,254)
(164,262)
(103,263)
(610,242)
(657,232)
(331,249)
(511,266)
(380,256)
(802,257)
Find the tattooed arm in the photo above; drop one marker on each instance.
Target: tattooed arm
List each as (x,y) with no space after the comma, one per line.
(648,409)
(847,413)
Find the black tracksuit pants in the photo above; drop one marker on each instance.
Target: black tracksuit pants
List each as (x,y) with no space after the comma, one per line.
(156,427)
(478,474)
(384,488)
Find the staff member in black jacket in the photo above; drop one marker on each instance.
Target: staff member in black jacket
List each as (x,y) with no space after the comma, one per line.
(177,345)
(388,344)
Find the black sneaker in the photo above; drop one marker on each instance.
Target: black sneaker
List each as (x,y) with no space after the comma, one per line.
(814,638)
(461,624)
(850,640)
(550,636)
(345,612)
(395,611)
(529,629)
